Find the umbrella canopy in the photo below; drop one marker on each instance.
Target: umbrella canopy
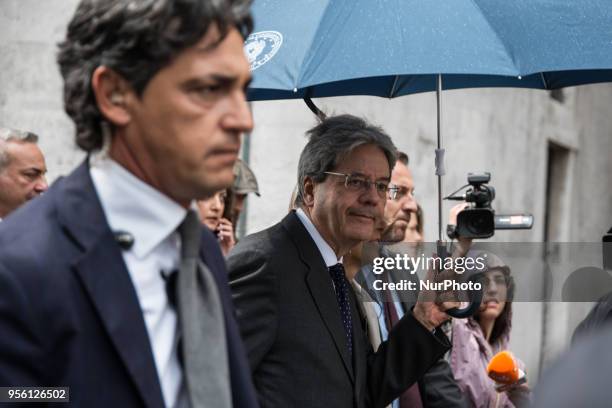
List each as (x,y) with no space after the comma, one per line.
(319,48)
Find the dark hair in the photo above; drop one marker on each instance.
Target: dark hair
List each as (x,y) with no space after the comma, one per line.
(403,158)
(229,203)
(503,323)
(334,138)
(135,38)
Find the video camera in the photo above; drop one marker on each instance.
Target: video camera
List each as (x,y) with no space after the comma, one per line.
(480,221)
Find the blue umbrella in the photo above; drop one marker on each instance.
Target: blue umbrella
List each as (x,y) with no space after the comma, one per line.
(388,48)
(318,48)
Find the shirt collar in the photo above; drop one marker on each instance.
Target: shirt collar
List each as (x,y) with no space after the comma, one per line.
(133,206)
(328,254)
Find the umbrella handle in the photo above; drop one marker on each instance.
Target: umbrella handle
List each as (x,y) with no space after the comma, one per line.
(465,312)
(315,109)
(475,299)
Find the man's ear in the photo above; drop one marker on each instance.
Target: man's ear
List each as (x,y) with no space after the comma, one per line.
(111,92)
(309,188)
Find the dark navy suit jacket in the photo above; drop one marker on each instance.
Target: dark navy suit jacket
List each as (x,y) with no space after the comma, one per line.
(293,331)
(69,314)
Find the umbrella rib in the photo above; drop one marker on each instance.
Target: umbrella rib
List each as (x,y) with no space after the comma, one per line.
(393,87)
(474,2)
(308,56)
(544,80)
(399,28)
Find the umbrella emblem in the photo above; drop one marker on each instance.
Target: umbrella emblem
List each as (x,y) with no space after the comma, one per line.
(260,47)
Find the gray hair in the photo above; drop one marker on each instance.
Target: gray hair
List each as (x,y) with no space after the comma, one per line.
(332,140)
(136,39)
(13,135)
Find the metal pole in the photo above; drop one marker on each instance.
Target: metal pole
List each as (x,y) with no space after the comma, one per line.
(441,244)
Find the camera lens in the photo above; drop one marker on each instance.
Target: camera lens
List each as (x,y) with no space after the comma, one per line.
(476,223)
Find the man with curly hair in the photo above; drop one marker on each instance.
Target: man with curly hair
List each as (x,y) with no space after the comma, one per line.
(108,283)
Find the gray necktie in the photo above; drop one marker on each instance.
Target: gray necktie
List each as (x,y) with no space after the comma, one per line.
(204,346)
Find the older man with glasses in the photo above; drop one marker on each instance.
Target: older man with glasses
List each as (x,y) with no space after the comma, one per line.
(305,339)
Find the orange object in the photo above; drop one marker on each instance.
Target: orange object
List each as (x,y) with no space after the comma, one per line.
(503,368)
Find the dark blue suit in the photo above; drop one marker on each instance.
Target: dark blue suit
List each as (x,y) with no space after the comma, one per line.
(69,314)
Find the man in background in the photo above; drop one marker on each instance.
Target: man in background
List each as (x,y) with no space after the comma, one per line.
(22,169)
(399,208)
(414,232)
(437,388)
(245,183)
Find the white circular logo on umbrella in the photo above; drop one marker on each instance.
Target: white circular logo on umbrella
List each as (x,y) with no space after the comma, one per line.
(260,47)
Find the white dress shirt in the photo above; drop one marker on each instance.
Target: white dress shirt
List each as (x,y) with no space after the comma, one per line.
(152,218)
(328,254)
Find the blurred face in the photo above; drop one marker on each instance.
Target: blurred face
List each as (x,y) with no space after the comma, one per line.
(397,212)
(183,134)
(23,178)
(495,295)
(211,209)
(237,206)
(345,217)
(412,230)
(379,228)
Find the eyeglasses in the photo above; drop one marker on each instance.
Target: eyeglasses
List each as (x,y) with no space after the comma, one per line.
(396,193)
(355,182)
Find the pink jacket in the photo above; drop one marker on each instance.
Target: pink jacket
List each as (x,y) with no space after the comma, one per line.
(470,356)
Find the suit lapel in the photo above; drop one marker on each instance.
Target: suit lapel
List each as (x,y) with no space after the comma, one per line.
(320,286)
(360,345)
(105,279)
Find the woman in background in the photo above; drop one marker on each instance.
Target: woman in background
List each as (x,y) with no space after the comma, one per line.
(211,214)
(477,339)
